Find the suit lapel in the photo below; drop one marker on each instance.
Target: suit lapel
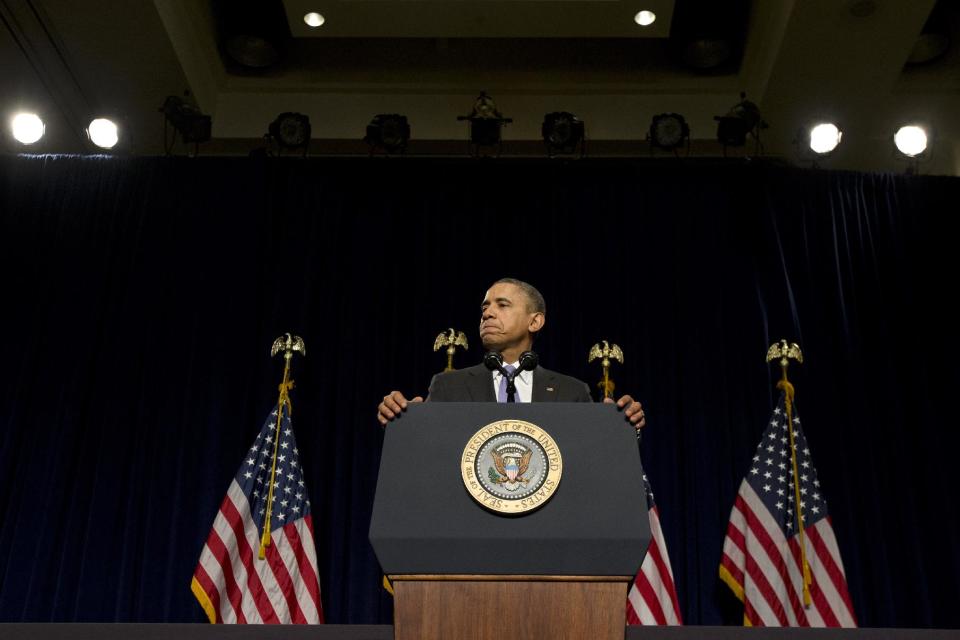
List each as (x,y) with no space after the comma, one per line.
(480,385)
(544,385)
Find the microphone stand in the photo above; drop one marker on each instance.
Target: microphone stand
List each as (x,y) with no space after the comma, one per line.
(528,362)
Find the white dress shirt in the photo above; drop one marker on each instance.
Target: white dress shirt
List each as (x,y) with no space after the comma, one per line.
(523,382)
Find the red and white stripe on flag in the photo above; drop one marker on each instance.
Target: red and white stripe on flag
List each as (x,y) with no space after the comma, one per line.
(763,568)
(653,597)
(234,586)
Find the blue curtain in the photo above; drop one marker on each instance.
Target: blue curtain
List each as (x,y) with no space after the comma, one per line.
(141,296)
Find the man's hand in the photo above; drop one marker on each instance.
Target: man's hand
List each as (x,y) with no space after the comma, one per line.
(633,411)
(392,406)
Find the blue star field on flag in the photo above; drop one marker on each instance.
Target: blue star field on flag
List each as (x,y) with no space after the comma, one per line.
(289,491)
(771,473)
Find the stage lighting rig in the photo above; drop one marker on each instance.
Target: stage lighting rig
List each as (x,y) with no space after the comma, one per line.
(562,132)
(669,131)
(742,119)
(913,143)
(27,128)
(290,131)
(103,133)
(486,123)
(186,119)
(388,131)
(821,139)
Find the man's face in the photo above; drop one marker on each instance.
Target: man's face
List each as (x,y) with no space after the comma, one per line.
(505,318)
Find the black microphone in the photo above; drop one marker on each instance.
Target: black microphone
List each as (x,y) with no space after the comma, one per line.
(528,361)
(493,361)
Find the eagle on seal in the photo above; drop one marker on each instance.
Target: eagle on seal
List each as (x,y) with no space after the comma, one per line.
(500,464)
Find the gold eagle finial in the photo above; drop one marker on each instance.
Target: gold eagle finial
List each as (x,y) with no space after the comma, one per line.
(451,339)
(606,353)
(784,352)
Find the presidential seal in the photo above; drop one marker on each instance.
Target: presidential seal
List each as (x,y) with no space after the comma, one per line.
(511,466)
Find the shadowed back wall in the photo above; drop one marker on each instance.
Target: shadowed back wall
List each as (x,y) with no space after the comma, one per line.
(141,295)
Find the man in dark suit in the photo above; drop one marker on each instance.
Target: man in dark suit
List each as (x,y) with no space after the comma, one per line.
(512,313)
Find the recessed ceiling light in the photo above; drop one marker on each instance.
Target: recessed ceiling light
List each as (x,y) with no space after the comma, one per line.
(313,19)
(645,18)
(27,127)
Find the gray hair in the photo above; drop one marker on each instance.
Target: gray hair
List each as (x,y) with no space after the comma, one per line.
(535,301)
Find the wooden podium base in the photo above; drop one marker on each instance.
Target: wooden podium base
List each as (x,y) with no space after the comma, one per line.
(496,607)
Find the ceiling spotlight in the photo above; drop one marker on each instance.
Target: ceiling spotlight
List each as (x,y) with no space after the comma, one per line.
(103,133)
(743,118)
(27,127)
(314,19)
(668,131)
(291,131)
(645,18)
(911,140)
(486,122)
(824,138)
(388,131)
(562,132)
(187,120)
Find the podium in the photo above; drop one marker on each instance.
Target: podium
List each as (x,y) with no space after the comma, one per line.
(462,570)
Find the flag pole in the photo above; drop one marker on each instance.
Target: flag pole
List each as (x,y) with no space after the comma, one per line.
(288,344)
(785,352)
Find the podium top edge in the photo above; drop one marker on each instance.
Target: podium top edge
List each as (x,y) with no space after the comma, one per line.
(503,578)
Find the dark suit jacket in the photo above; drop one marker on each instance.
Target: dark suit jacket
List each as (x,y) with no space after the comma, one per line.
(475,384)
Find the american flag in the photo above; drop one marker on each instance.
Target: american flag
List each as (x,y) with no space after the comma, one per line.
(762,561)
(653,596)
(231,583)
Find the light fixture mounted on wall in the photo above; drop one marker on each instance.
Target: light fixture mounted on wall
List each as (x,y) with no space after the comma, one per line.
(669,132)
(290,131)
(562,132)
(103,133)
(816,140)
(741,120)
(27,128)
(486,124)
(187,120)
(912,142)
(389,132)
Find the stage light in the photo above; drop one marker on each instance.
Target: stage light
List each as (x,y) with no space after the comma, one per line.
(486,122)
(103,133)
(743,118)
(911,140)
(388,131)
(291,131)
(187,120)
(314,19)
(562,132)
(824,138)
(668,131)
(645,18)
(27,127)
